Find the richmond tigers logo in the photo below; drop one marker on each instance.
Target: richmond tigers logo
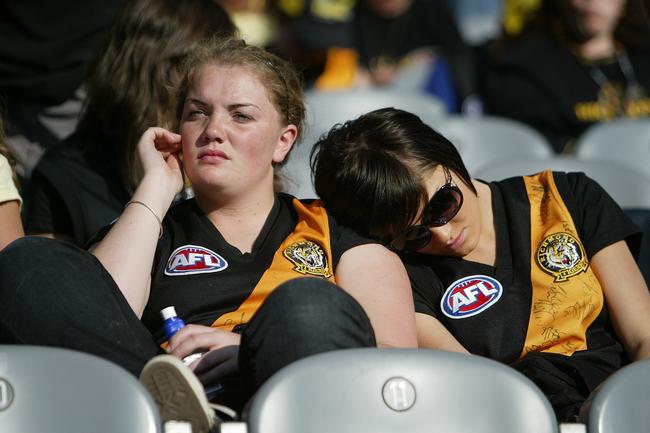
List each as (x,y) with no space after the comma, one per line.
(562,256)
(308,258)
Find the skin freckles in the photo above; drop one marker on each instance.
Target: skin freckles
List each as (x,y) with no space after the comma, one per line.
(231,131)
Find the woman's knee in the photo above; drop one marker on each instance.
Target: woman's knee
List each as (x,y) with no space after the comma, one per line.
(314,295)
(43,265)
(38,253)
(311,306)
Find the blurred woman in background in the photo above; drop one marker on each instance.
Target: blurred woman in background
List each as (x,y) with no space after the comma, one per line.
(11,227)
(577,63)
(83,183)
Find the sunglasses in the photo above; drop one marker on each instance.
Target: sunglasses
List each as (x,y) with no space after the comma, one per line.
(442,208)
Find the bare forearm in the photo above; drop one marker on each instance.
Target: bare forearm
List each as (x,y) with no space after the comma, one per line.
(642,350)
(12,227)
(128,249)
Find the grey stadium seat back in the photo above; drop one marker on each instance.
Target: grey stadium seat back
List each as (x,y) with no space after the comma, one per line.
(484,140)
(621,403)
(624,141)
(45,389)
(326,109)
(399,390)
(629,188)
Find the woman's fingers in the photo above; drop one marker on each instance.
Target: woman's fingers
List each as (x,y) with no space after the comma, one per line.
(194,338)
(165,140)
(161,139)
(174,161)
(158,152)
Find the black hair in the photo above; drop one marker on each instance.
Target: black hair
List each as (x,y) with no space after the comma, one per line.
(369,171)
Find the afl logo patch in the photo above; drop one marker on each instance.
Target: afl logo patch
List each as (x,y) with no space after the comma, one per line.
(562,255)
(469,296)
(192,259)
(308,258)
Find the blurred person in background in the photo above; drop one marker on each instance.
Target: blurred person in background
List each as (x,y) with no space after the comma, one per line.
(577,63)
(45,51)
(316,35)
(394,37)
(410,45)
(82,184)
(11,227)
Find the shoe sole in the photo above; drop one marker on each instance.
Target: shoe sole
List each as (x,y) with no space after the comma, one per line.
(177,392)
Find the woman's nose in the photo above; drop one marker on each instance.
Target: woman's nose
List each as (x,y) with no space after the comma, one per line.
(441,234)
(213,130)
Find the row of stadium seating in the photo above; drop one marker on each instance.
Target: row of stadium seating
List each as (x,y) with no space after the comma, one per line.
(346,391)
(616,154)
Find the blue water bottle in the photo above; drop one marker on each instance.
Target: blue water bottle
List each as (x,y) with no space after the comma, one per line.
(171,325)
(171,322)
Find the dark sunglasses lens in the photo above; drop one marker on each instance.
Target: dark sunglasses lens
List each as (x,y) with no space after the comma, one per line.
(412,239)
(444,205)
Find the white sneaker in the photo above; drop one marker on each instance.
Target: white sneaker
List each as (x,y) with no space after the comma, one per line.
(178,393)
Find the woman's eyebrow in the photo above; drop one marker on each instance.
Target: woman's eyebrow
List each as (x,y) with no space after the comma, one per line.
(242,105)
(195,101)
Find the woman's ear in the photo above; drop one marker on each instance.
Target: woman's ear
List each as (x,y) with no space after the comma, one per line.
(285,142)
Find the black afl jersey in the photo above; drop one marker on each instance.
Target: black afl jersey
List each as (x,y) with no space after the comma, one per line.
(210,282)
(541,295)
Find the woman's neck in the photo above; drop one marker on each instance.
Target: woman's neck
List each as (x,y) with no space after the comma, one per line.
(597,48)
(238,220)
(485,251)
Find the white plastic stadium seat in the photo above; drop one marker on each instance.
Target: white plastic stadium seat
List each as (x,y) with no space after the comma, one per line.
(399,390)
(326,109)
(484,140)
(624,141)
(629,188)
(45,389)
(620,404)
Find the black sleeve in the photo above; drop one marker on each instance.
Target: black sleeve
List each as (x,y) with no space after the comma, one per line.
(426,287)
(45,211)
(344,238)
(101,234)
(599,220)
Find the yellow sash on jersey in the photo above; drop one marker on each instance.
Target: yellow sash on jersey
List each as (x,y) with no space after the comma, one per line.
(306,251)
(566,296)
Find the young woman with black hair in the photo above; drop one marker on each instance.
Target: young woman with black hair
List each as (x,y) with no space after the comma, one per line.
(535,271)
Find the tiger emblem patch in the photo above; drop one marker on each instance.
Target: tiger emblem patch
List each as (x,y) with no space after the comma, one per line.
(562,256)
(308,258)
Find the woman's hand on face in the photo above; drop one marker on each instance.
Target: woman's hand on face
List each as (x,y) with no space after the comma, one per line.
(158,152)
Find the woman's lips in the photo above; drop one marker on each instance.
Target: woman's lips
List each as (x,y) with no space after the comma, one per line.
(212,156)
(458,241)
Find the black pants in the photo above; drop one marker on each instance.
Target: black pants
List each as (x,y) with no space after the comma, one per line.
(55,294)
(567,381)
